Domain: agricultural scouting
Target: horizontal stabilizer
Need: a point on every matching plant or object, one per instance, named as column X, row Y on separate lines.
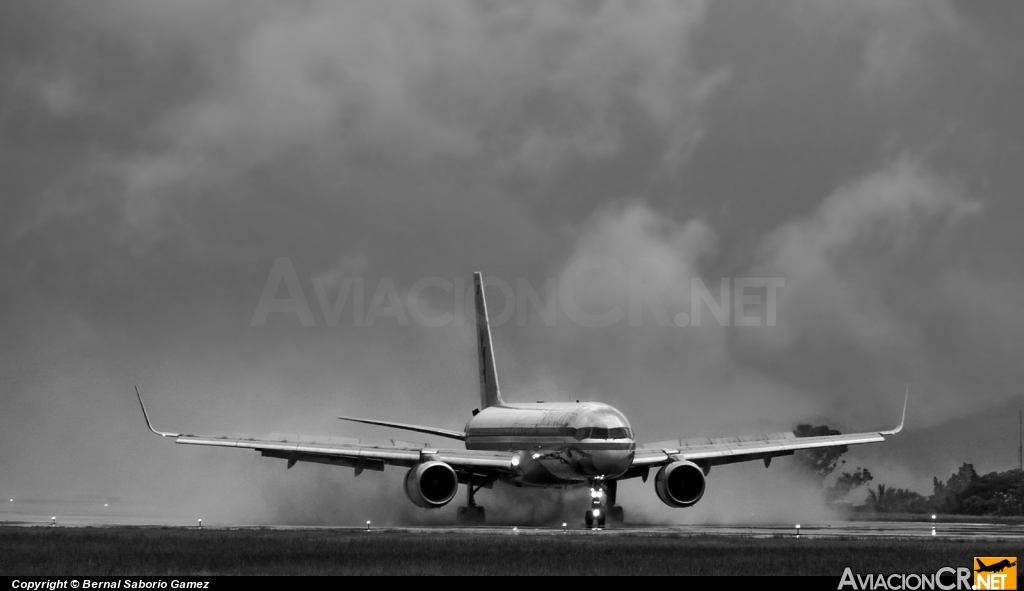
column 417, row 428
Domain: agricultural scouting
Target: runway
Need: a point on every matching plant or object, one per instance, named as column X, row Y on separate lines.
column 832, row 530
column 829, row 530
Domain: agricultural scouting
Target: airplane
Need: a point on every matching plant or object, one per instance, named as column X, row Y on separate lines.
column 994, row 568
column 542, row 444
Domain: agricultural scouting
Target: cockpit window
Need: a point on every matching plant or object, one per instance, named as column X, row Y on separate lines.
column 602, row 433
column 618, row 433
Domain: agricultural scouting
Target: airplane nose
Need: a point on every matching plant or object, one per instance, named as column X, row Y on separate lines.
column 612, row 462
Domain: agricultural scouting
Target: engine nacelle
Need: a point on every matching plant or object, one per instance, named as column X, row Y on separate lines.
column 431, row 484
column 680, row 484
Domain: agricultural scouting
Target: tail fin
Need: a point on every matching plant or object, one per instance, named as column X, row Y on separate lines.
column 490, row 395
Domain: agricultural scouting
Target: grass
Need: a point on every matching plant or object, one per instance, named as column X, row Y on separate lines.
column 173, row 551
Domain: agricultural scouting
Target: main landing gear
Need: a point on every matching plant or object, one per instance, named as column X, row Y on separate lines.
column 602, row 504
column 471, row 514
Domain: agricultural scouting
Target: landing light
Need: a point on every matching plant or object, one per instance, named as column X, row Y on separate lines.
column 535, row 456
column 597, row 512
column 515, row 460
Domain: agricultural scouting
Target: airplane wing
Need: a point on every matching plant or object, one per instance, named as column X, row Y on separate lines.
column 730, row 450
column 349, row 452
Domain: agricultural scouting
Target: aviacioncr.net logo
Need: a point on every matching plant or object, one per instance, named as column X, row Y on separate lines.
column 989, row 572
column 946, row 578
column 995, row 572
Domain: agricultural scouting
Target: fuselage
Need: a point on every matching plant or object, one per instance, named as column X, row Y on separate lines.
column 557, row 443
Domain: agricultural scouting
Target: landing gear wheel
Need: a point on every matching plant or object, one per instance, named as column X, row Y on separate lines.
column 616, row 515
column 594, row 521
column 474, row 515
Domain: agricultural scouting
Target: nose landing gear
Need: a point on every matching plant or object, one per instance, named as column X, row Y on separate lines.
column 602, row 504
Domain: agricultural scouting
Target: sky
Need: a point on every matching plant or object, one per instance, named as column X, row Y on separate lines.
column 161, row 159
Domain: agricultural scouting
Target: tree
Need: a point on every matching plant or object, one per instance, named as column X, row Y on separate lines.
column 847, row 483
column 897, row 500
column 948, row 497
column 820, row 461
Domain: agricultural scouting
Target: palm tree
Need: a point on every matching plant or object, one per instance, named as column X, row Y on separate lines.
column 878, row 497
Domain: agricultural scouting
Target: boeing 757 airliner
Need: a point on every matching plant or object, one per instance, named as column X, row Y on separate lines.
column 537, row 444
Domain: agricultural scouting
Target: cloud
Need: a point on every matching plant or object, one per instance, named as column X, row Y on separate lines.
column 894, row 37
column 835, row 260
column 847, row 290
column 516, row 88
column 670, row 379
column 633, row 263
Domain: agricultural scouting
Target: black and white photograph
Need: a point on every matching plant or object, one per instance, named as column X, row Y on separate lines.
column 313, row 288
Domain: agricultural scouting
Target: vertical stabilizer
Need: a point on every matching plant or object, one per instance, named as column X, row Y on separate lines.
column 490, row 395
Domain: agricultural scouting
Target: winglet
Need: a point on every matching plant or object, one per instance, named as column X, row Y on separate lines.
column 903, row 418
column 146, row 416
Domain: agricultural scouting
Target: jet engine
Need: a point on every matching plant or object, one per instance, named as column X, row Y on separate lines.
column 431, row 484
column 680, row 484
